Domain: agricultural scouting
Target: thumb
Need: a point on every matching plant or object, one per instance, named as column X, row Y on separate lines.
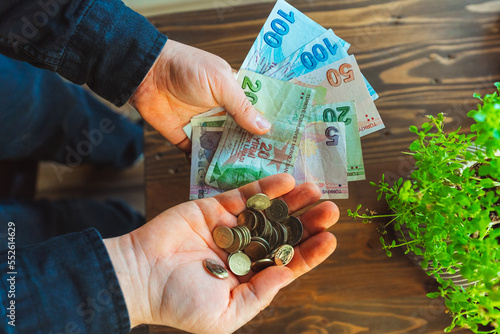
column 233, row 99
column 250, row 298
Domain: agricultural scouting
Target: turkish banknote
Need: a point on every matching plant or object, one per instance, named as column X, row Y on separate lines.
column 342, row 81
column 285, row 31
column 242, row 157
column 344, row 112
column 204, row 143
column 323, row 160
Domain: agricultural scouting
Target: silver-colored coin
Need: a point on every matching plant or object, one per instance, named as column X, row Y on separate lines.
column 248, row 218
column 258, row 202
column 215, row 269
column 283, row 255
column 277, row 211
column 223, row 236
column 295, row 230
column 257, row 249
column 260, row 229
column 239, row 263
column 273, row 239
column 261, row 264
column 282, row 234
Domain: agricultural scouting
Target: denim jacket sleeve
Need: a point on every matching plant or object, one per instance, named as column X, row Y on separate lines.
column 64, row 285
column 102, row 43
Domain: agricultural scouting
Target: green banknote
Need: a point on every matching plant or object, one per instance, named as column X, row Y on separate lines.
column 242, row 157
column 344, row 112
column 204, row 143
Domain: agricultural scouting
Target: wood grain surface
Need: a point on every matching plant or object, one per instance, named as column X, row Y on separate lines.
column 422, row 57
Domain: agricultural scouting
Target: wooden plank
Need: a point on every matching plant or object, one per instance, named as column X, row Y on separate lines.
column 423, row 57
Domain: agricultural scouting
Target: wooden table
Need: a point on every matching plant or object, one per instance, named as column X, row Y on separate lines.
column 422, row 57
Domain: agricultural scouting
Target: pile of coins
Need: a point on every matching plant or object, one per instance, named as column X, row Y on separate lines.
column 264, row 236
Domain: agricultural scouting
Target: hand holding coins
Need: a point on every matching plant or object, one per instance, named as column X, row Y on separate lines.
column 264, row 236
column 172, row 272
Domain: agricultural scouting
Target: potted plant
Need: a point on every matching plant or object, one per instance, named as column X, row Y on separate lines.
column 447, row 214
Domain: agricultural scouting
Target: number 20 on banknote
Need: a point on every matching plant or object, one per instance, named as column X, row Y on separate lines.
column 343, row 74
column 254, row 88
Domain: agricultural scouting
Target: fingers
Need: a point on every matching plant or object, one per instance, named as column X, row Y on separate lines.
column 312, row 252
column 250, row 298
column 273, row 186
column 302, row 196
column 234, row 100
column 319, row 218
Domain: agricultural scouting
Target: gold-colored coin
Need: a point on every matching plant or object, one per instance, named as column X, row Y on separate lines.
column 248, row 218
column 215, row 269
column 277, row 211
column 295, row 230
column 223, row 236
column 258, row 202
column 261, row 264
column 283, row 255
column 239, row 263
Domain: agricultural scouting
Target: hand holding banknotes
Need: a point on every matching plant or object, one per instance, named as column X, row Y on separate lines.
column 186, row 81
column 159, row 266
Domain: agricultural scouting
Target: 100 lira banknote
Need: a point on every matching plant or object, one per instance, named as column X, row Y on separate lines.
column 242, row 157
column 285, row 31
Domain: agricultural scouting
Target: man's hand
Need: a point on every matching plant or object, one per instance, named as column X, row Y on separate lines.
column 186, row 81
column 160, row 265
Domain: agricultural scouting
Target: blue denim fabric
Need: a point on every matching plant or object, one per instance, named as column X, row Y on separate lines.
column 64, row 285
column 45, row 117
column 101, row 43
column 67, row 284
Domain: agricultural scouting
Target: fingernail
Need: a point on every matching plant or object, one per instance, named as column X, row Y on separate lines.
column 262, row 123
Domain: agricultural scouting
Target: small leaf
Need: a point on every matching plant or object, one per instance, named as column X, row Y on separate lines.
column 433, row 294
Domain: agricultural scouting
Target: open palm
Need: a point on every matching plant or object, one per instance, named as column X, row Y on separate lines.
column 171, row 248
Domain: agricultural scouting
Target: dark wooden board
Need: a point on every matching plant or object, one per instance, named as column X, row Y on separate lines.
column 422, row 57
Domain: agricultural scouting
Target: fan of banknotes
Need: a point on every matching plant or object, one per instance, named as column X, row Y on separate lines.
column 301, row 78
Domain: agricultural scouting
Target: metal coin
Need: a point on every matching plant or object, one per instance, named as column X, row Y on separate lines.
column 268, row 230
column 223, row 236
column 295, row 230
column 282, row 234
column 277, row 211
column 261, row 224
column 237, row 243
column 258, row 202
column 261, row 264
column 273, row 240
column 248, row 218
column 215, row 269
column 239, row 263
column 283, row 255
column 257, row 249
column 245, row 236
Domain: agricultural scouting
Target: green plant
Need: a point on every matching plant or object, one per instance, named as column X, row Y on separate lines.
column 450, row 206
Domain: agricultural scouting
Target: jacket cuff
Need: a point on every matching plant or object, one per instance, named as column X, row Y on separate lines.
column 111, row 50
column 66, row 284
